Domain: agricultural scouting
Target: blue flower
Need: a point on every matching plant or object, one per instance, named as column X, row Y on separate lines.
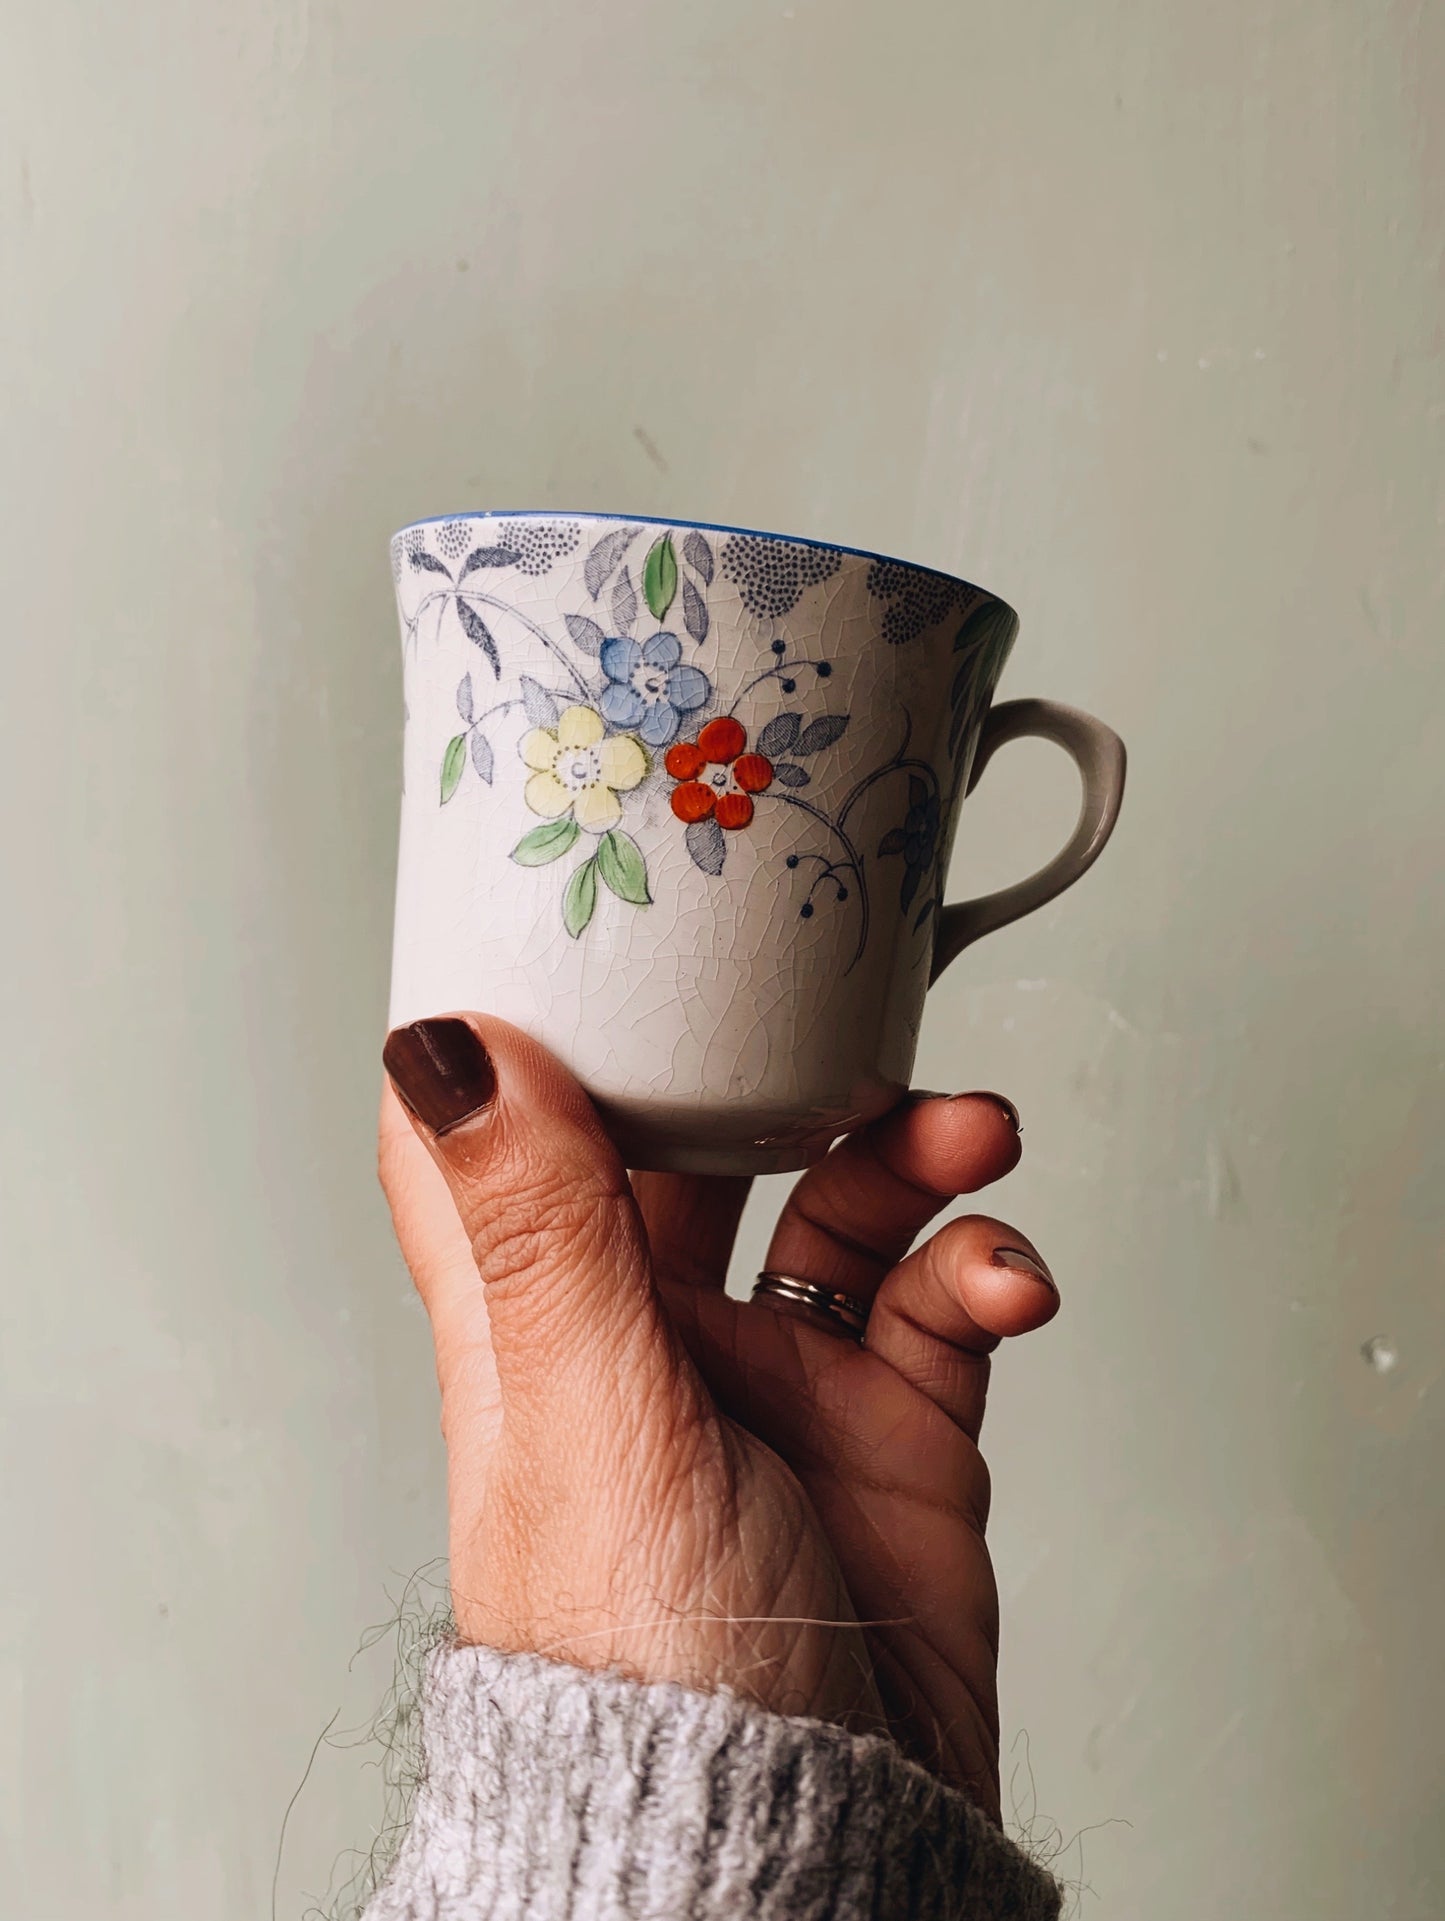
column 917, row 839
column 649, row 689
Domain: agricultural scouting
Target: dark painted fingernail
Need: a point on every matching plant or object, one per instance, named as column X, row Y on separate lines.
column 1006, row 1107
column 1015, row 1257
column 441, row 1070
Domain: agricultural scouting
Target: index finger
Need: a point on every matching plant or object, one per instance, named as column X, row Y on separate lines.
column 692, row 1222
column 856, row 1212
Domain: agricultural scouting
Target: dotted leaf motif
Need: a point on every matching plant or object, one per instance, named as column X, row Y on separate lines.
column 659, row 577
column 624, row 603
column 488, row 557
column 694, row 612
column 538, row 704
column 585, row 633
column 602, row 561
column 482, row 758
column 707, row 845
column 779, row 735
column 788, row 774
column 464, row 698
column 822, row 733
column 477, row 631
column 698, row 555
column 428, row 563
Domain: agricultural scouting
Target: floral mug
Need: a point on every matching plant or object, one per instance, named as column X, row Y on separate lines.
column 678, row 800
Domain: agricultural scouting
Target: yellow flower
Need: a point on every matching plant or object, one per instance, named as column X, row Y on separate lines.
column 576, row 771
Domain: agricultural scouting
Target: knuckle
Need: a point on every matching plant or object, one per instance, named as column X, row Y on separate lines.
column 541, row 1217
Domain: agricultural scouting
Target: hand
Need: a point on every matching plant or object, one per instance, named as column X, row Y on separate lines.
column 646, row 1474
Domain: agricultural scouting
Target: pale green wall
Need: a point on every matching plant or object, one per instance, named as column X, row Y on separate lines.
column 1133, row 312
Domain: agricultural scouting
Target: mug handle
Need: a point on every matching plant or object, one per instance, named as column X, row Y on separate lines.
column 1098, row 753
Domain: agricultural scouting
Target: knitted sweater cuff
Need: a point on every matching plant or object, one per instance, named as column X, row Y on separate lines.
column 551, row 1793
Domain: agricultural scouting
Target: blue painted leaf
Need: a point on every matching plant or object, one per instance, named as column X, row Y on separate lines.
column 891, row 843
column 464, row 698
column 923, row 914
column 482, row 755
column 694, row 612
column 911, row 877
column 476, row 629
column 597, row 570
column 917, row 790
column 546, row 843
column 707, row 846
column 453, row 761
column 540, row 707
column 698, row 555
column 579, row 903
column 624, row 603
column 487, row 557
column 620, row 863
column 788, row 774
column 421, row 558
column 779, row 734
column 958, row 730
column 659, row 576
column 990, row 624
column 585, row 633
column 819, row 734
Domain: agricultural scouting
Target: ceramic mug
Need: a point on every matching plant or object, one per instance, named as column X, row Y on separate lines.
column 678, row 801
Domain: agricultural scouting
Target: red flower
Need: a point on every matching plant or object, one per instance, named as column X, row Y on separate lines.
column 715, row 776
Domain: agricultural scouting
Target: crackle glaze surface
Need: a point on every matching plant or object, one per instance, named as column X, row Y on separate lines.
column 678, row 801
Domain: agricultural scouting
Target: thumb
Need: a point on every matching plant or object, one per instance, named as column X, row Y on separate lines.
column 555, row 1235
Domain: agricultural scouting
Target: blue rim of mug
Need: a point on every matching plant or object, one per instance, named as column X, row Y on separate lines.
column 705, row 527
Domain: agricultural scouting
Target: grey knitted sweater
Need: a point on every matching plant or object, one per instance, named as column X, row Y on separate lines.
column 554, row 1794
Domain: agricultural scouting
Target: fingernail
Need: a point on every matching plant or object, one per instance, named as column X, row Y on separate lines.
column 1025, row 1263
column 1006, row 1107
column 441, row 1070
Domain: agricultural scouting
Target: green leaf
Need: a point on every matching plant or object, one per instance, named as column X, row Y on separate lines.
column 546, row 843
column 620, row 863
column 659, row 576
column 453, row 761
column 580, row 900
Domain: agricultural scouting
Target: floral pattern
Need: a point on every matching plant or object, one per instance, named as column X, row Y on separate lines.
column 579, row 770
column 771, row 574
column 650, row 686
column 915, row 599
column 715, row 777
column 917, row 839
column 622, row 687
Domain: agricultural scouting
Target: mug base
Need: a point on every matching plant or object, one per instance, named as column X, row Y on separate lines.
column 653, row 1157
column 681, row 1137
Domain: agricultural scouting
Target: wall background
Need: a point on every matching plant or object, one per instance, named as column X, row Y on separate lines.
column 1133, row 312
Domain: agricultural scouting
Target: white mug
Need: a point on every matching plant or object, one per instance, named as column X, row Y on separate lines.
column 678, row 801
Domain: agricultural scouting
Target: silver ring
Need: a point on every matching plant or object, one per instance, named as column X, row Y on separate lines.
column 847, row 1313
